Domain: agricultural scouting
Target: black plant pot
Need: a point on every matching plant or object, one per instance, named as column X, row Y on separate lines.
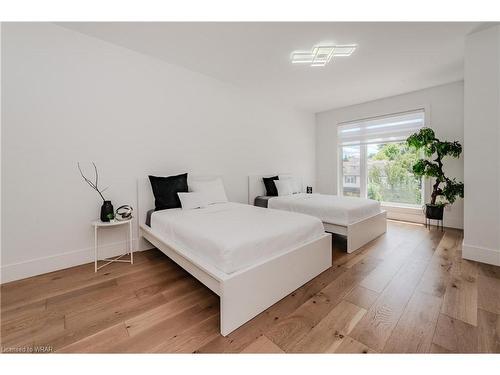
column 107, row 211
column 434, row 212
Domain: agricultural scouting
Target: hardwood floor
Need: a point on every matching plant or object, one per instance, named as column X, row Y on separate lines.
column 409, row 291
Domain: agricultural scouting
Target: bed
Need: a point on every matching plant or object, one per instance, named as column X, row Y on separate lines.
column 251, row 257
column 360, row 220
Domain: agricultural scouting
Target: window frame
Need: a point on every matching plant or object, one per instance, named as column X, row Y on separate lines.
column 364, row 164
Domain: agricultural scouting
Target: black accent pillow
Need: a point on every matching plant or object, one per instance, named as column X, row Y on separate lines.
column 165, row 190
column 271, row 190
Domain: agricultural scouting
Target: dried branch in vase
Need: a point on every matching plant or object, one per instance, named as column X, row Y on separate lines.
column 93, row 185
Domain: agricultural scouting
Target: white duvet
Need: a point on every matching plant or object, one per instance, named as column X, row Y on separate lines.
column 332, row 209
column 232, row 236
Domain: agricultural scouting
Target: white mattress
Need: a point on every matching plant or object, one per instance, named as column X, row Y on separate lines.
column 331, row 209
column 232, row 236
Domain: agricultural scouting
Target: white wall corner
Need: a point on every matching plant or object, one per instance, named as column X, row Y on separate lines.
column 482, row 140
column 481, row 254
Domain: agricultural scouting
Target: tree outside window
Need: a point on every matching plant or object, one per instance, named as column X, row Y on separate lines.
column 390, row 174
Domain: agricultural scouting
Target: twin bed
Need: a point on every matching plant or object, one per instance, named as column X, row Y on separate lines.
column 359, row 220
column 253, row 256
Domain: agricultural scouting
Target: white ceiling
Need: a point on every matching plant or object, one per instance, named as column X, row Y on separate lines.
column 392, row 58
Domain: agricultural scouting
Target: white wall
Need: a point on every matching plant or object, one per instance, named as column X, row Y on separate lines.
column 482, row 137
column 67, row 97
column 444, row 113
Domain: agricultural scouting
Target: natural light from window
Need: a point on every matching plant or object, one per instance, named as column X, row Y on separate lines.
column 375, row 161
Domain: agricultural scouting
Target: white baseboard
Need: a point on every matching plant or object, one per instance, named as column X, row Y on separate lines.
column 415, row 215
column 481, row 254
column 453, row 222
column 38, row 266
column 403, row 216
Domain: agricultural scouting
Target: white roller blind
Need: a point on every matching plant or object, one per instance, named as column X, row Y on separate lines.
column 391, row 128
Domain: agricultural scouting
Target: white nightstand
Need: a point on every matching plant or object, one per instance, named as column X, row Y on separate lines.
column 101, row 224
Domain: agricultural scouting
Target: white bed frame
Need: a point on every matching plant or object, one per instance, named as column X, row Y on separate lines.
column 357, row 234
column 245, row 293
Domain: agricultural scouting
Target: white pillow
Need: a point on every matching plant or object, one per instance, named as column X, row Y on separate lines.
column 211, row 190
column 294, row 182
column 190, row 201
column 284, row 187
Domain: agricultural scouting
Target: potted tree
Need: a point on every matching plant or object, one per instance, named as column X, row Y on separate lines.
column 444, row 190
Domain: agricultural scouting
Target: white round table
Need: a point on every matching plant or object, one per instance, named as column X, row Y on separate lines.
column 111, row 224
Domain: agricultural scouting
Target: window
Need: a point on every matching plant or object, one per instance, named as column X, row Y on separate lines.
column 350, row 180
column 375, row 161
column 351, row 171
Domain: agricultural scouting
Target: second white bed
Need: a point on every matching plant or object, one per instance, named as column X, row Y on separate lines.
column 328, row 208
column 360, row 220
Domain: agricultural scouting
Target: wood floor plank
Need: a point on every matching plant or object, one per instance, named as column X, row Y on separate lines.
column 430, row 242
column 461, row 296
column 150, row 340
column 262, row 345
column 73, row 295
column 294, row 327
column 43, row 287
column 159, row 286
column 377, row 248
column 436, row 349
column 488, row 293
column 79, row 300
column 351, row 346
column 81, row 325
column 488, row 270
column 28, row 330
column 149, row 318
column 378, row 279
column 118, row 309
column 108, row 293
column 178, row 288
column 23, row 311
column 98, row 342
column 192, row 338
column 488, row 332
column 414, row 331
column 370, row 249
column 376, row 326
column 331, row 330
column 156, row 273
column 420, row 245
column 362, row 297
column 290, row 330
column 455, row 335
column 438, row 273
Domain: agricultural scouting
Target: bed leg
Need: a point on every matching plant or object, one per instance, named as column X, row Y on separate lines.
column 226, row 321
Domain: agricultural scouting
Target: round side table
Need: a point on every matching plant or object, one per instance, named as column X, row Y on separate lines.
column 111, row 224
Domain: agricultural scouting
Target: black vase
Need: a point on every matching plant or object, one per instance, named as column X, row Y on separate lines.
column 107, row 211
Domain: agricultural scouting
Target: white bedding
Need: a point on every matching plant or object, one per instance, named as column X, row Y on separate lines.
column 332, row 209
column 232, row 236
